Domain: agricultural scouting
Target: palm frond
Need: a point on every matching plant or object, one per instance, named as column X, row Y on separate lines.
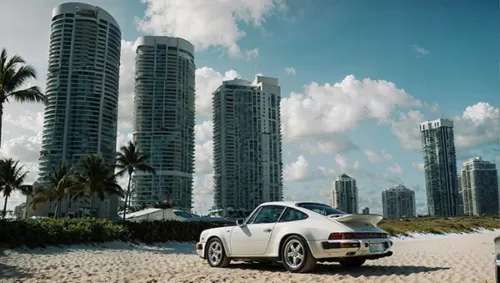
column 31, row 94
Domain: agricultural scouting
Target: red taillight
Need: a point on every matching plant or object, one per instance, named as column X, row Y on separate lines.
column 343, row 236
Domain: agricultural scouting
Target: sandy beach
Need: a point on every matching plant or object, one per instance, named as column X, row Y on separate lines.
column 456, row 258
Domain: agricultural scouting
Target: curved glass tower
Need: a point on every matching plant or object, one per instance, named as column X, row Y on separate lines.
column 164, row 119
column 82, row 86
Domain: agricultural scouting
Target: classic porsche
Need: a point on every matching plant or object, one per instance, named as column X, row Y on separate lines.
column 298, row 234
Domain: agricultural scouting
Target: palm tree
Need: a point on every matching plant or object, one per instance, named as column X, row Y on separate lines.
column 129, row 160
column 12, row 80
column 94, row 177
column 60, row 180
column 12, row 178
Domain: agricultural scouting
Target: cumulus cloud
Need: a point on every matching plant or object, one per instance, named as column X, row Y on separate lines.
column 189, row 19
column 372, row 156
column 127, row 85
column 290, row 70
column 418, row 166
column 204, row 157
column 311, row 114
column 204, row 131
column 395, row 169
column 299, row 170
column 207, row 81
column 479, row 125
column 336, row 143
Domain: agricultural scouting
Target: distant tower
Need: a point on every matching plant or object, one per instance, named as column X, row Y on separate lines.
column 479, row 184
column 345, row 194
column 247, row 144
column 82, row 88
column 164, row 120
column 398, row 202
column 441, row 183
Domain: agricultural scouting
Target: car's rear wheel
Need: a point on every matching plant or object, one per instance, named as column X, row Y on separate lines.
column 296, row 255
column 352, row 262
column 216, row 256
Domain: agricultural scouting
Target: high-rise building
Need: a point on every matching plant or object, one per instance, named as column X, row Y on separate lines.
column 247, row 144
column 345, row 194
column 479, row 183
column 440, row 166
column 164, row 120
column 366, row 210
column 398, row 202
column 82, row 89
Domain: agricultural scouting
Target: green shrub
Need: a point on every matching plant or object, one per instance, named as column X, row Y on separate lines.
column 52, row 232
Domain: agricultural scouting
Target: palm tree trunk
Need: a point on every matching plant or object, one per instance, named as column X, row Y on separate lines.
column 5, row 207
column 58, row 206
column 91, row 205
column 126, row 197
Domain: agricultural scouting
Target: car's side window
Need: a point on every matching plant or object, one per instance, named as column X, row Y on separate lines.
column 291, row 214
column 268, row 214
column 252, row 217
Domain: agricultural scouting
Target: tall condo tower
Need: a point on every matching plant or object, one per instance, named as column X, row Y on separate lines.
column 398, row 202
column 164, row 120
column 479, row 184
column 441, row 183
column 82, row 88
column 345, row 194
column 247, row 145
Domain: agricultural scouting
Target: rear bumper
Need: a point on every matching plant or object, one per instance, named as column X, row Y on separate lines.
column 200, row 250
column 351, row 248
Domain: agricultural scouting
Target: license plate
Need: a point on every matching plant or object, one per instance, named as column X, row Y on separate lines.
column 375, row 248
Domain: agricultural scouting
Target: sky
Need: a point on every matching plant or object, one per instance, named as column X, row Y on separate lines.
column 357, row 78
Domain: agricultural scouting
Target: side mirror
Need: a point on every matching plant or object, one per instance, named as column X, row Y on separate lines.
column 240, row 222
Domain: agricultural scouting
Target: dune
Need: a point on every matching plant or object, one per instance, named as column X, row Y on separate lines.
column 454, row 258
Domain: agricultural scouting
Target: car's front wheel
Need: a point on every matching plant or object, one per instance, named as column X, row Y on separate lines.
column 296, row 255
column 352, row 262
column 216, row 256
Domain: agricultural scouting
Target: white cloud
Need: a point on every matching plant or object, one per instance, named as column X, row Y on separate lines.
column 420, row 50
column 386, row 155
column 204, row 131
column 327, row 109
column 297, row 170
column 418, row 166
column 341, row 161
column 479, row 125
column 372, row 156
column 207, row 81
column 208, row 23
column 406, row 128
column 203, row 184
column 290, row 70
column 336, row 143
column 396, row 169
column 204, row 157
column 127, row 85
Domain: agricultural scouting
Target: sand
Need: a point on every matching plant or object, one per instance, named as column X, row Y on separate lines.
column 456, row 258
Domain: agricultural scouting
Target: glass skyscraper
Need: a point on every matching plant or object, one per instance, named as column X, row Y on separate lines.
column 164, row 120
column 82, row 89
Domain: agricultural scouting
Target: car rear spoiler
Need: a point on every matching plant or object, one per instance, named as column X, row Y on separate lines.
column 372, row 219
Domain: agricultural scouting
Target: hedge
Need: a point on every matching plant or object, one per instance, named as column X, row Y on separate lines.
column 65, row 231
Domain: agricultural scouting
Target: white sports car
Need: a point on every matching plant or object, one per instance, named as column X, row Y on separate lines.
column 299, row 234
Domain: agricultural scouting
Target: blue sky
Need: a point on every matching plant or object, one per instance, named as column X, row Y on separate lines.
column 435, row 58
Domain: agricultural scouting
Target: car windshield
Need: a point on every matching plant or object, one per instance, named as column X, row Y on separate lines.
column 183, row 214
column 320, row 208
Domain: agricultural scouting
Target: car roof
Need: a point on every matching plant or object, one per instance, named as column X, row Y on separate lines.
column 288, row 203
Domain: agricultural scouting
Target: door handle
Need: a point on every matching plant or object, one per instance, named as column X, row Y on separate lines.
column 268, row 230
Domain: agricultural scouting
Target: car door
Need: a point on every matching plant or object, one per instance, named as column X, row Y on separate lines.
column 252, row 238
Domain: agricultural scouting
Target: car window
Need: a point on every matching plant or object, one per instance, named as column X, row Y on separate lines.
column 252, row 217
column 183, row 214
column 291, row 214
column 320, row 208
column 268, row 214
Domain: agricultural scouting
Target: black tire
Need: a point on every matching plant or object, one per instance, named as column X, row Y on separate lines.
column 215, row 253
column 300, row 247
column 352, row 262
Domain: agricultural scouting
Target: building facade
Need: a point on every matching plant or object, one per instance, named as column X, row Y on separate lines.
column 247, row 145
column 366, row 210
column 164, row 120
column 82, row 89
column 398, row 202
column 479, row 184
column 440, row 167
column 345, row 194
